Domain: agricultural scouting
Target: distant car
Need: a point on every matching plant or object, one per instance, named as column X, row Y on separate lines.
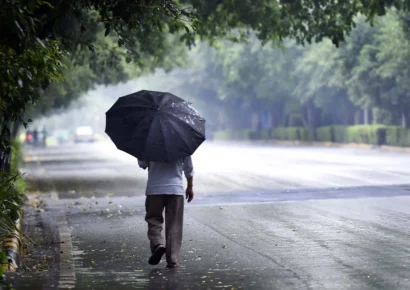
column 84, row 134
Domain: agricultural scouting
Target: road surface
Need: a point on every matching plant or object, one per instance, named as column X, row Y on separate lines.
column 263, row 218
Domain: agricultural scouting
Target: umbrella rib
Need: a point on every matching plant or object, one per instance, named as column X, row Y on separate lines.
column 176, row 118
column 149, row 134
column 163, row 135
column 179, row 134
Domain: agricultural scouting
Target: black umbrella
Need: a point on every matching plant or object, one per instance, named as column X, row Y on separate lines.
column 155, row 126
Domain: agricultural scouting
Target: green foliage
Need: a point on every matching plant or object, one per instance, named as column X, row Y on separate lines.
column 363, row 134
column 339, row 133
column 325, row 134
column 21, row 78
column 12, row 187
column 233, row 135
column 396, row 136
column 291, row 133
column 306, row 21
column 314, row 86
column 94, row 39
column 11, row 199
column 97, row 41
column 371, row 134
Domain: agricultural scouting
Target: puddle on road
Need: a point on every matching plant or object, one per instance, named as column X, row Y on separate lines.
column 75, row 188
column 91, row 276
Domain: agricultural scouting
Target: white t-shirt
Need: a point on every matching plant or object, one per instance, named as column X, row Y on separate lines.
column 166, row 178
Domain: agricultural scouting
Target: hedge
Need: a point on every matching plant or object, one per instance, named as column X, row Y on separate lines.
column 397, row 136
column 325, row 134
column 233, row 135
column 291, row 133
column 363, row 134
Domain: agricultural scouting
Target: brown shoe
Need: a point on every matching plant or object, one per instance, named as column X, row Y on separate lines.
column 157, row 255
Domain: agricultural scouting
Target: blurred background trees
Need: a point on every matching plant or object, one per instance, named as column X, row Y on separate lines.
column 52, row 52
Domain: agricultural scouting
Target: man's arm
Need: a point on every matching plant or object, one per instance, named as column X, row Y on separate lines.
column 189, row 174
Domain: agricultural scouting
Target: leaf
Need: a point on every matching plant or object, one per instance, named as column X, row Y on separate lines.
column 159, row 26
column 128, row 59
column 107, row 31
column 91, row 47
column 187, row 29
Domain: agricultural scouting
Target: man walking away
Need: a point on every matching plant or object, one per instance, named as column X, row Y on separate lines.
column 165, row 191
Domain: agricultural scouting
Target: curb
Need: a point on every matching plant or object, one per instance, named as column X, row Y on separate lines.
column 321, row 144
column 12, row 246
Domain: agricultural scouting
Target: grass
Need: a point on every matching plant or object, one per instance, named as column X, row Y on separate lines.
column 12, row 188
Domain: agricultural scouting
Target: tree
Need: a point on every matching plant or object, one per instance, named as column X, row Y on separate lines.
column 36, row 35
column 141, row 28
column 307, row 21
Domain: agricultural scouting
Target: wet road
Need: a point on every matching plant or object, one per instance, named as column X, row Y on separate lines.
column 263, row 218
column 100, row 169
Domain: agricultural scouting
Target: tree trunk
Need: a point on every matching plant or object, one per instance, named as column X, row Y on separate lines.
column 271, row 119
column 5, row 156
column 5, row 160
column 365, row 116
column 358, row 117
column 309, row 119
column 403, row 120
column 14, row 131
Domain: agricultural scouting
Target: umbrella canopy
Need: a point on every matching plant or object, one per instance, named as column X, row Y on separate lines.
column 155, row 126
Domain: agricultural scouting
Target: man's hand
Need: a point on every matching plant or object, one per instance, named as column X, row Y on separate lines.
column 189, row 193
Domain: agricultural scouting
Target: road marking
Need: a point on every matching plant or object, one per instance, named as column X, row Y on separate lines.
column 67, row 279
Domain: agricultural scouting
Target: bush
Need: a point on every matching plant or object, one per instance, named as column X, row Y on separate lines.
column 397, row 136
column 12, row 187
column 233, row 134
column 364, row 134
column 325, row 134
column 361, row 134
column 304, row 135
column 291, row 133
column 280, row 133
column 265, row 134
column 339, row 134
column 16, row 157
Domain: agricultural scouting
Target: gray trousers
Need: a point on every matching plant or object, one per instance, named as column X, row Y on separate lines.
column 174, row 217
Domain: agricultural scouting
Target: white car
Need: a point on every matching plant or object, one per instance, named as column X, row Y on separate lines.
column 84, row 134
